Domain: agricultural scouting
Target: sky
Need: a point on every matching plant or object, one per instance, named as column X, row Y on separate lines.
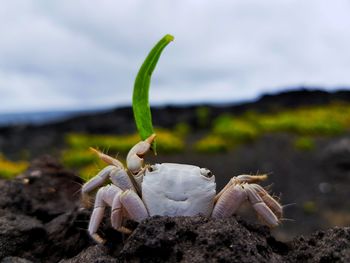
column 63, row 55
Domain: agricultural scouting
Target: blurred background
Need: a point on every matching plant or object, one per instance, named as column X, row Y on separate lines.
column 246, row 87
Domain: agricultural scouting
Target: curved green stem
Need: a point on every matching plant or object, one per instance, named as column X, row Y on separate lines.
column 140, row 101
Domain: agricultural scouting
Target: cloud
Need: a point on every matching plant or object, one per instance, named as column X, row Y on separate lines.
column 78, row 54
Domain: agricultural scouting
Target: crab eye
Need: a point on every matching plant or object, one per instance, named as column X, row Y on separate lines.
column 152, row 168
column 206, row 172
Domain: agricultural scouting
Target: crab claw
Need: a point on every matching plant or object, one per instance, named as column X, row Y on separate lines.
column 134, row 159
column 151, row 138
column 106, row 158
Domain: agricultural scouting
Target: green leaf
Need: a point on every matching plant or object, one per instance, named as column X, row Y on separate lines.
column 140, row 101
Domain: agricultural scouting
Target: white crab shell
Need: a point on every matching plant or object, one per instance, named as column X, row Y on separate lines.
column 171, row 189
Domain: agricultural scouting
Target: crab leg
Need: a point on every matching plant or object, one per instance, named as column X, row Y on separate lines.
column 229, row 201
column 104, row 197
column 120, row 178
column 264, row 212
column 240, row 179
column 244, row 178
column 117, row 215
column 94, row 183
column 269, row 200
column 133, row 205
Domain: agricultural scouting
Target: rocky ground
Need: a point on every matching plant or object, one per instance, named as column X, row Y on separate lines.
column 312, row 184
column 41, row 221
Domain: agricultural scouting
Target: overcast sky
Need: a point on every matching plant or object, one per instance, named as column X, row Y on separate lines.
column 85, row 54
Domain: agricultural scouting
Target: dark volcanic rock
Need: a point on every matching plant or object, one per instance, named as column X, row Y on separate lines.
column 336, row 157
column 332, row 245
column 40, row 221
column 19, row 233
column 15, row 260
column 66, row 236
column 39, row 214
column 93, row 254
column 199, row 239
column 44, row 191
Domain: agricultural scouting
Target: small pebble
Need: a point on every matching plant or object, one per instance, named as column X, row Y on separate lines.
column 325, row 187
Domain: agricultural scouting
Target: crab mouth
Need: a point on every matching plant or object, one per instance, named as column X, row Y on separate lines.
column 176, row 198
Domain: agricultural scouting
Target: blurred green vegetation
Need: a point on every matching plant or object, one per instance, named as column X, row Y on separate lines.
column 309, row 207
column 168, row 142
column 203, row 116
column 304, row 143
column 235, row 129
column 182, row 129
column 333, row 119
column 10, row 169
column 211, row 144
column 227, row 131
column 306, row 122
column 79, row 157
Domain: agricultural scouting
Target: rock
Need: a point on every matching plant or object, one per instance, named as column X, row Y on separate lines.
column 40, row 221
column 40, row 217
column 20, row 234
column 332, row 245
column 336, row 157
column 200, row 239
column 93, row 254
column 44, row 191
column 15, row 260
column 66, row 235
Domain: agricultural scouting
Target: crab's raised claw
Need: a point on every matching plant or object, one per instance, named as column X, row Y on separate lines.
column 107, row 159
column 134, row 159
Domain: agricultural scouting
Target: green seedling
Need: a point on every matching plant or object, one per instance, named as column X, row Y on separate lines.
column 140, row 99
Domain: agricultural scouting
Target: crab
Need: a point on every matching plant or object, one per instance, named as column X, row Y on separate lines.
column 170, row 189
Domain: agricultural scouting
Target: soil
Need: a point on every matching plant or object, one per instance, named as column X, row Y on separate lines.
column 41, row 221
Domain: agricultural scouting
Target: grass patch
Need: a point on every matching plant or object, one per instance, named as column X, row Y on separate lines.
column 168, row 142
column 203, row 116
column 211, row 144
column 79, row 157
column 235, row 129
column 9, row 169
column 304, row 143
column 333, row 119
column 182, row 129
column 326, row 120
